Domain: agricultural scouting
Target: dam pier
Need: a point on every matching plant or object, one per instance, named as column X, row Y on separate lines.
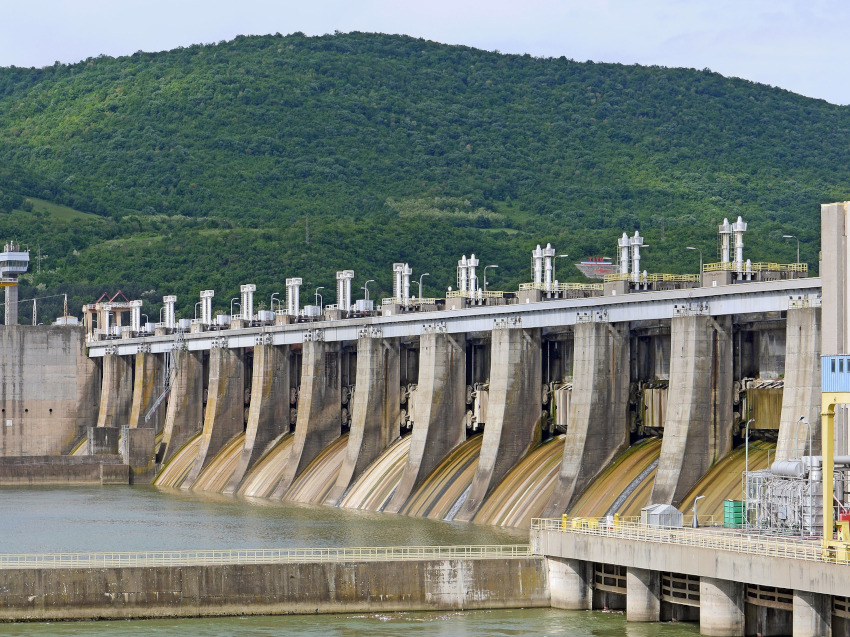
column 562, row 408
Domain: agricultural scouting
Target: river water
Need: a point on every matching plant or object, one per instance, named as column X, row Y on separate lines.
column 87, row 519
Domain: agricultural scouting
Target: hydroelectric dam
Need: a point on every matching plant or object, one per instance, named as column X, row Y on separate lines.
column 558, row 399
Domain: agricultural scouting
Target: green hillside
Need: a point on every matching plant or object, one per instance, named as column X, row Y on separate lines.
column 198, row 168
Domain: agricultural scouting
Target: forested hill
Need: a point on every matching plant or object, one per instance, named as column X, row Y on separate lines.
column 198, row 168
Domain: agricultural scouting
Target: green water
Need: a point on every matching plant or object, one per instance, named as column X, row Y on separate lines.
column 85, row 519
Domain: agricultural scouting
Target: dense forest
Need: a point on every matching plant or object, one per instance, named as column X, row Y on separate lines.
column 277, row 156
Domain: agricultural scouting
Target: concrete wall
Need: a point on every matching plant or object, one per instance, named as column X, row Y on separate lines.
column 197, row 591
column 49, row 389
column 224, row 412
column 801, row 395
column 268, row 414
column 440, row 405
column 116, row 391
column 375, row 412
column 62, row 470
column 148, row 383
column 184, row 416
column 513, row 413
column 597, row 424
column 698, row 422
column 319, row 410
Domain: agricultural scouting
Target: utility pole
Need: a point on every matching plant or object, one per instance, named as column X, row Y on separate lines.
column 38, row 258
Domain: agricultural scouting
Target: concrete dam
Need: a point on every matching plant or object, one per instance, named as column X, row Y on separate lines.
column 492, row 407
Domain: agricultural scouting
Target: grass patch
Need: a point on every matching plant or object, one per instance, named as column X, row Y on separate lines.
column 58, row 211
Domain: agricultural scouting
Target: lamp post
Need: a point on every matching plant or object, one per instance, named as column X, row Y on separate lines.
column 700, row 261
column 196, row 310
column 747, row 469
column 421, row 276
column 366, row 287
column 485, row 274
column 271, row 302
column 791, row 236
column 695, row 523
column 235, row 298
column 557, row 256
column 319, row 296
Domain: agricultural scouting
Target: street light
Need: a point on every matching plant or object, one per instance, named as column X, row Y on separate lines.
column 485, row 274
column 695, row 523
column 366, row 287
column 235, row 298
column 557, row 256
column 271, row 302
column 196, row 310
column 791, row 236
column 700, row 261
column 319, row 296
column 424, row 274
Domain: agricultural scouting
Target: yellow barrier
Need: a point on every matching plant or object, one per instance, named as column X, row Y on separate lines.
column 757, row 267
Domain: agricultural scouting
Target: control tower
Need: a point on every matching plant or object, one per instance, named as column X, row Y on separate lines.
column 13, row 262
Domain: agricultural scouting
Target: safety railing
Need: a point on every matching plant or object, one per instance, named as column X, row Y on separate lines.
column 756, row 267
column 675, row 278
column 734, row 541
column 617, row 276
column 560, row 287
column 394, row 300
column 261, row 556
column 478, row 294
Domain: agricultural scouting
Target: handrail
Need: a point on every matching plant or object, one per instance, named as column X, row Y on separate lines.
column 678, row 278
column 261, row 556
column 734, row 541
column 763, row 266
column 560, row 287
column 478, row 294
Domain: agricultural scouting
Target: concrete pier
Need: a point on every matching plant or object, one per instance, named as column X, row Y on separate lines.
column 224, row 414
column 698, row 423
column 643, row 595
column 319, row 409
column 116, row 395
column 570, row 584
column 721, row 607
column 597, row 425
column 812, row 615
column 801, row 395
column 440, row 405
column 375, row 412
column 137, row 451
column 513, row 412
column 184, row 416
column 103, row 441
column 148, row 383
column 268, row 413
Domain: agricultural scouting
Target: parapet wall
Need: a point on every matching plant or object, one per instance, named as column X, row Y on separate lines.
column 267, row 589
column 49, row 389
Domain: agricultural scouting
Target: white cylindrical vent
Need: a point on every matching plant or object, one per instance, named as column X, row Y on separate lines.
column 136, row 316
column 293, row 291
column 548, row 255
column 738, row 229
column 471, row 276
column 636, row 244
column 247, row 304
column 169, row 319
column 462, row 275
column 206, row 306
column 623, row 244
column 725, row 231
column 343, row 289
column 537, row 264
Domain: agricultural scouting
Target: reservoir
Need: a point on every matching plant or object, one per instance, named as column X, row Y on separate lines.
column 87, row 519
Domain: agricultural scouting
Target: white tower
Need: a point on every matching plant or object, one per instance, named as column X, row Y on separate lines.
column 548, row 254
column 471, row 264
column 206, row 306
column 623, row 244
column 537, row 264
column 247, row 303
column 136, row 316
column 462, row 274
column 293, row 291
column 401, row 282
column 738, row 229
column 168, row 302
column 13, row 261
column 343, row 289
column 725, row 231
column 636, row 243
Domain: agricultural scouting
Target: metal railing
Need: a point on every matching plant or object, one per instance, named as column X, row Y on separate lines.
column 653, row 278
column 560, row 287
column 756, row 267
column 478, row 294
column 734, row 541
column 261, row 556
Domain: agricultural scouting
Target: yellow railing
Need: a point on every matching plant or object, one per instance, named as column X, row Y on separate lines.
column 758, row 267
column 722, row 540
column 262, row 556
column 680, row 278
column 394, row 300
column 617, row 276
column 561, row 287
column 478, row 294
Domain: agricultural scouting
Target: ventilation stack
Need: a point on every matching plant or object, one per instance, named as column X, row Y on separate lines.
column 548, row 256
column 462, row 275
column 206, row 306
column 738, row 229
column 136, row 316
column 168, row 304
column 293, row 301
column 725, row 232
column 247, row 304
column 471, row 276
column 343, row 289
column 636, row 243
column 623, row 244
column 401, row 282
column 537, row 265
